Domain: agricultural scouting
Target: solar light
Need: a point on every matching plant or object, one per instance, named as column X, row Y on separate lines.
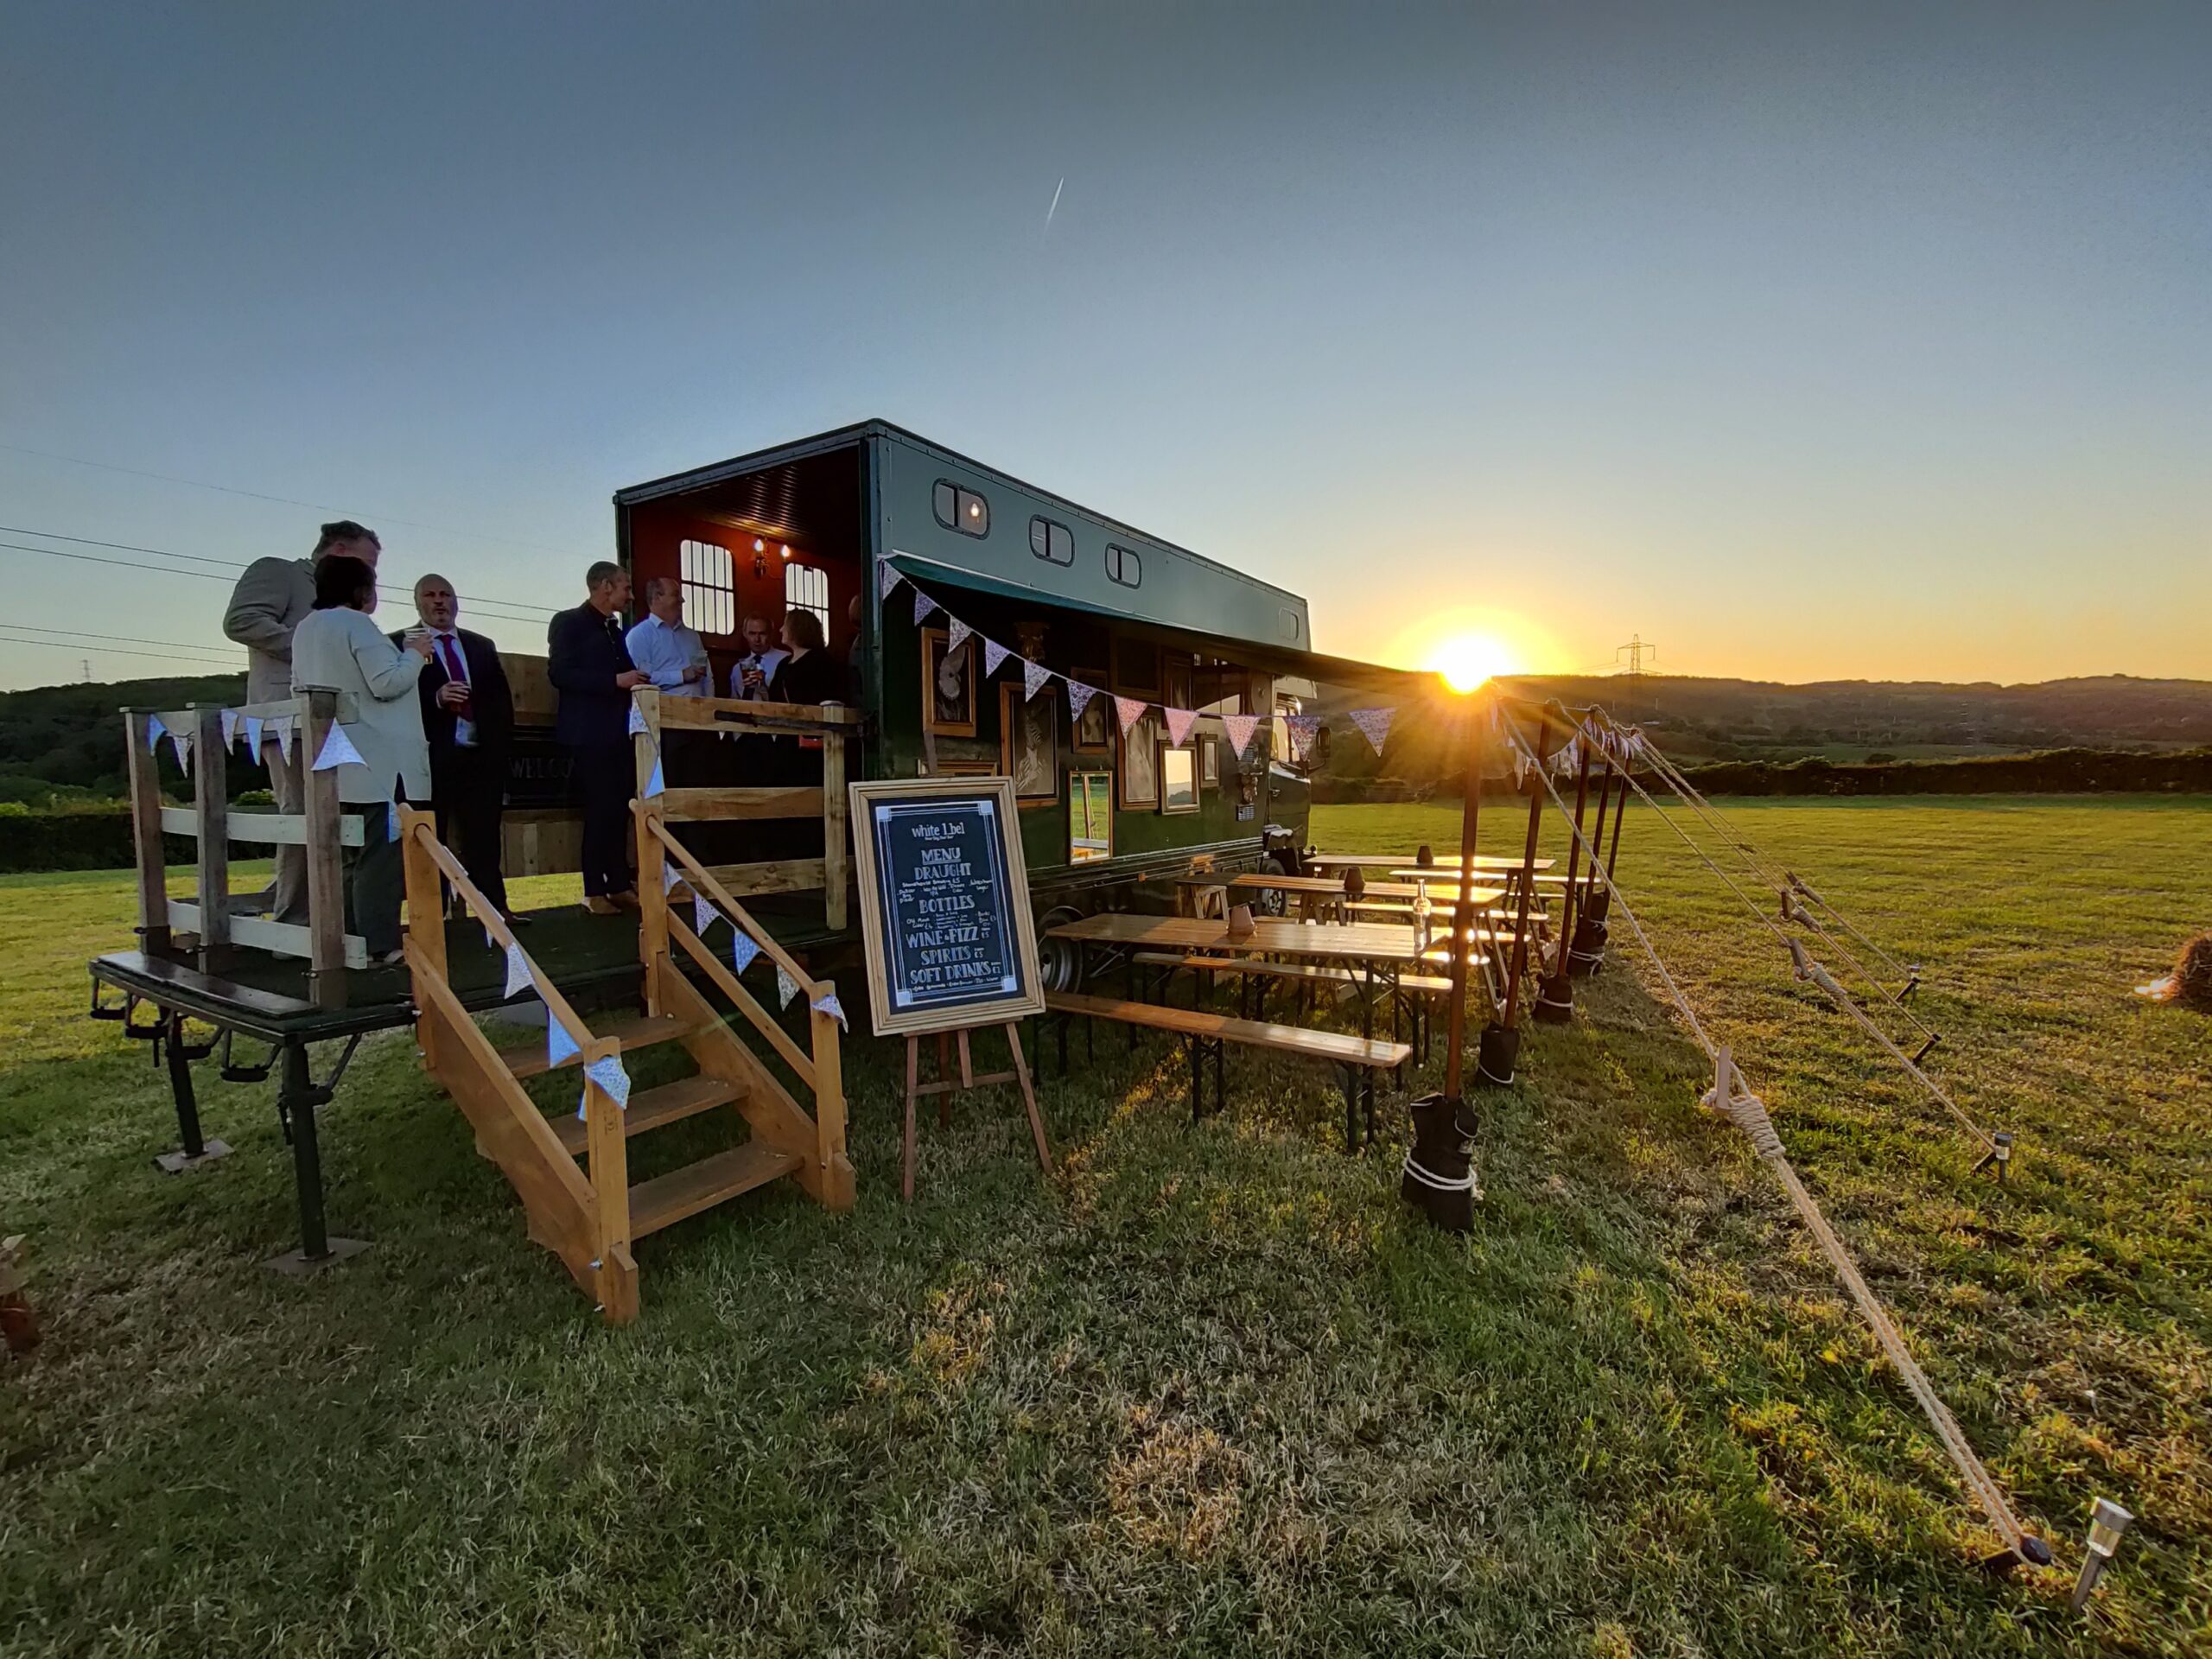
column 2106, row 1523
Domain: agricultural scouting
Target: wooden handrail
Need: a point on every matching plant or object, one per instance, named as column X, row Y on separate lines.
column 703, row 881
column 728, row 982
column 731, row 714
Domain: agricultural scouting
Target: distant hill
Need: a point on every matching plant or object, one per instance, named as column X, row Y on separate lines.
column 65, row 741
column 1837, row 720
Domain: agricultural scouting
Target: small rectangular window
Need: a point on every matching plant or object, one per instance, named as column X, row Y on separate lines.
column 709, row 588
column 806, row 587
column 961, row 509
column 1123, row 565
column 1052, row 542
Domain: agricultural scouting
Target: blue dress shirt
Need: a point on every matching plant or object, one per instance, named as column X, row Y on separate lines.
column 665, row 652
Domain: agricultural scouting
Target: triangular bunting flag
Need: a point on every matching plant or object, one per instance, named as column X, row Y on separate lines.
column 612, row 1080
column 154, row 730
column 1240, row 728
column 670, row 880
column 703, row 915
column 956, row 634
column 1374, row 725
column 1033, row 677
column 287, row 727
column 923, row 605
column 1302, row 729
column 1520, row 766
column 181, row 743
column 518, row 979
column 828, row 1003
column 787, row 987
column 1129, row 711
column 1179, row 722
column 994, row 654
column 637, row 727
column 392, row 820
column 656, row 785
column 742, row 948
column 229, row 719
column 338, row 750
column 253, row 739
column 559, row 1046
column 885, row 580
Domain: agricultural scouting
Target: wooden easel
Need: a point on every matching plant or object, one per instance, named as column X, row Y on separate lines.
column 946, row 1086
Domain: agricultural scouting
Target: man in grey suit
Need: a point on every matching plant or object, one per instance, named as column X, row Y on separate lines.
column 265, row 606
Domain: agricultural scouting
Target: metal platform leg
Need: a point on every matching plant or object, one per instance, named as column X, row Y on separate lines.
column 297, row 1096
column 195, row 1150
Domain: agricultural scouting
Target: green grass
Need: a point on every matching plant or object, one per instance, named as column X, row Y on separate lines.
column 1211, row 1389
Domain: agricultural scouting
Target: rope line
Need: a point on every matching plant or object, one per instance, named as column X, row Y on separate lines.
column 1748, row 1112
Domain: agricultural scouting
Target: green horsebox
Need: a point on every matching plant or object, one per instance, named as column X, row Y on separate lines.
column 855, row 523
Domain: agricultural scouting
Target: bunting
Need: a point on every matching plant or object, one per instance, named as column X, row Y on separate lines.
column 637, row 727
column 154, row 730
column 1035, row 676
column 181, row 743
column 613, row 1082
column 787, row 987
column 338, row 750
column 230, row 723
column 288, row 726
column 703, row 915
column 670, row 880
column 1129, row 711
column 743, row 947
column 1240, row 728
column 253, row 739
column 956, row 634
column 1303, row 729
column 656, row 785
column 559, row 1046
column 885, row 580
column 1179, row 722
column 518, row 979
column 392, row 820
column 994, row 654
column 828, row 1003
column 1374, row 725
column 922, row 605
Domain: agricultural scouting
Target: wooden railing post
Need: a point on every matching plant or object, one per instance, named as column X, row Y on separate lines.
column 426, row 922
column 146, row 835
column 211, row 811
column 325, row 874
column 606, row 1140
column 652, row 901
column 833, row 864
column 830, row 1112
column 645, row 745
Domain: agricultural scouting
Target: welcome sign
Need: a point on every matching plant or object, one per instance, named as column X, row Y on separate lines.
column 944, row 904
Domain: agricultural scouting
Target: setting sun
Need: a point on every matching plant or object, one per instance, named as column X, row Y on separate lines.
column 1466, row 660
column 1468, row 644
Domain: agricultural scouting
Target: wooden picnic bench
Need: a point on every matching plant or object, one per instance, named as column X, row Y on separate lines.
column 1206, row 1035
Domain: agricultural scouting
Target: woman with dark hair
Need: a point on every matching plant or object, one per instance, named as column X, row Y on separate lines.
column 808, row 674
column 337, row 648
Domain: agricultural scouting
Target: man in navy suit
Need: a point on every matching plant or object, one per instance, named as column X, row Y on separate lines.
column 468, row 716
column 590, row 666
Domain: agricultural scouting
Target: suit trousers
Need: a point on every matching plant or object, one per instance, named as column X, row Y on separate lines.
column 468, row 799
column 377, row 880
column 603, row 778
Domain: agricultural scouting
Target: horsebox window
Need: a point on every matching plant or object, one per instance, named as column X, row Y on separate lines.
column 1123, row 565
column 1052, row 542
column 961, row 509
column 709, row 588
column 806, row 587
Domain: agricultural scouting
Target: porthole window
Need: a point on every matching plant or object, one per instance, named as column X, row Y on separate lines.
column 1123, row 565
column 1051, row 542
column 961, row 509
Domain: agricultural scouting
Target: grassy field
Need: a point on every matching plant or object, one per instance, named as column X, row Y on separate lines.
column 1211, row 1389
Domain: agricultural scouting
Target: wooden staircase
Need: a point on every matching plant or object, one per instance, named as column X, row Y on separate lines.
column 571, row 1173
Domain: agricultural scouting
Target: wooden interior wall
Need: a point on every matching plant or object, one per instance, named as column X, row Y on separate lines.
column 656, row 536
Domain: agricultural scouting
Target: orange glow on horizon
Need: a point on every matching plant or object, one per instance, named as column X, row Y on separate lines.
column 1470, row 647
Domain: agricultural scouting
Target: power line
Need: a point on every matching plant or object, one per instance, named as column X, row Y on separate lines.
column 200, row 663
column 283, row 500
column 224, row 653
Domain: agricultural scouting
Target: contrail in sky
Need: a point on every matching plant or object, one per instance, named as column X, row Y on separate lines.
column 1055, row 207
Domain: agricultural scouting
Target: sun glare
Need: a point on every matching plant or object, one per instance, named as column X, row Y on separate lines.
column 1466, row 660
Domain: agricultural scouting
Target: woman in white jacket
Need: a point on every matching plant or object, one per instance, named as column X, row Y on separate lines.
column 337, row 648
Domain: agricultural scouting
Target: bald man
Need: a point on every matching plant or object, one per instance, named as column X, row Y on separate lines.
column 468, row 716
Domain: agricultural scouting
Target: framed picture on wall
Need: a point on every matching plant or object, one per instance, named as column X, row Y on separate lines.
column 1210, row 760
column 1139, row 772
column 1178, row 778
column 1029, row 744
column 1094, row 733
column 948, row 685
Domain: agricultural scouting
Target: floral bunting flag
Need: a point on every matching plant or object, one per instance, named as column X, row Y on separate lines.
column 338, row 751
column 287, row 727
column 613, row 1082
column 885, row 580
column 154, row 731
column 1129, row 711
column 828, row 1003
column 1240, row 728
column 559, row 1046
column 181, row 743
column 922, row 605
column 703, row 915
column 517, row 971
column 1179, row 722
column 392, row 820
column 742, row 948
column 1374, row 725
column 787, row 987
column 230, row 722
column 253, row 739
column 956, row 634
column 1303, row 729
column 637, row 727
column 994, row 654
column 656, row 785
column 670, row 880
column 1033, row 677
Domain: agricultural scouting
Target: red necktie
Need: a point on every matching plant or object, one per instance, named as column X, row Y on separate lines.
column 451, row 653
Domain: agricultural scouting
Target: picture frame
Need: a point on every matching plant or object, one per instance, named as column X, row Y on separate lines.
column 965, row 767
column 1210, row 760
column 948, row 686
column 1090, row 816
column 1029, row 744
column 1139, row 772
column 1178, row 778
column 1093, row 732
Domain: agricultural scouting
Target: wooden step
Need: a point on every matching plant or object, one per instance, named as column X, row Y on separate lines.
column 667, row 1199
column 632, row 1031
column 651, row 1108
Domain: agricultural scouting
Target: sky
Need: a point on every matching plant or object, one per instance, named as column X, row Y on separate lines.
column 1802, row 342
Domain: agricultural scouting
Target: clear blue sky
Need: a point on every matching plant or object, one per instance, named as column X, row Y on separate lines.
column 1860, row 341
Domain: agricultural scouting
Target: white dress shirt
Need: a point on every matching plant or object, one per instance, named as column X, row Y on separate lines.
column 665, row 652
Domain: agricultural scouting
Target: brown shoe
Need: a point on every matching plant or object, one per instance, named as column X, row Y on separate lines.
column 625, row 899
column 599, row 905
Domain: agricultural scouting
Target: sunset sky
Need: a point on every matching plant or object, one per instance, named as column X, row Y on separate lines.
column 1862, row 342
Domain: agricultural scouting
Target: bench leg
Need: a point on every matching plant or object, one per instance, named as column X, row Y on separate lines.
column 1351, row 1109
column 1191, row 1049
column 1220, row 1097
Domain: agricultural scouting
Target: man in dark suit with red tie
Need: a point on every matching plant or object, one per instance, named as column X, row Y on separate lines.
column 590, row 666
column 468, row 716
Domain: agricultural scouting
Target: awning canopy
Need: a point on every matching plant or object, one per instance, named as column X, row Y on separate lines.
column 1404, row 685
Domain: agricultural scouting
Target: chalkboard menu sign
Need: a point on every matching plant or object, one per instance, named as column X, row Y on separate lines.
column 945, row 904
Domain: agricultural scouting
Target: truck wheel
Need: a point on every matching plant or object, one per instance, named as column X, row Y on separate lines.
column 1272, row 901
column 1058, row 961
